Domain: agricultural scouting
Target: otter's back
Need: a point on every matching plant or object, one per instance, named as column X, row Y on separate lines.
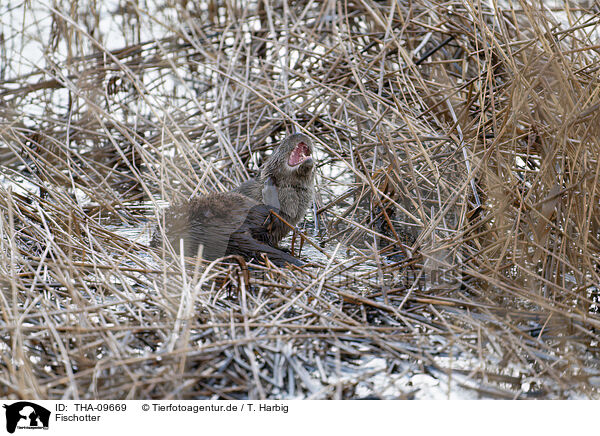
column 208, row 221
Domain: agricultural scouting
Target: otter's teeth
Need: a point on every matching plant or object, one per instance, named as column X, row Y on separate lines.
column 299, row 154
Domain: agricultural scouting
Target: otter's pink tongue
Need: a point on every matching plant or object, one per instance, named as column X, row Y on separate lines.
column 299, row 154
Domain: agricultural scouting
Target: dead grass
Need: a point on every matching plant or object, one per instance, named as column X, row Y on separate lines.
column 457, row 204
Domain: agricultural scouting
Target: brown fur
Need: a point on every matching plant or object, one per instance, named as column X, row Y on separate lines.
column 295, row 185
column 222, row 223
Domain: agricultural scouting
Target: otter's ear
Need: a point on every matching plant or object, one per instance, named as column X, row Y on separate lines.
column 270, row 194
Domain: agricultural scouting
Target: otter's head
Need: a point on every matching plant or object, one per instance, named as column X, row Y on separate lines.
column 291, row 160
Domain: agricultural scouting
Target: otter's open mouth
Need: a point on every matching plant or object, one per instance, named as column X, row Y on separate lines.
column 299, row 154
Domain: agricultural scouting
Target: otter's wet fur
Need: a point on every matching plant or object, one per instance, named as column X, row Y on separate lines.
column 223, row 223
column 294, row 184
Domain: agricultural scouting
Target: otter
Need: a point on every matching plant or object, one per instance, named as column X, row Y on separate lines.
column 224, row 223
column 241, row 221
column 285, row 183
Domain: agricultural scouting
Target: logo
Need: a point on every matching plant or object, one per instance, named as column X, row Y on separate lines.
column 26, row 415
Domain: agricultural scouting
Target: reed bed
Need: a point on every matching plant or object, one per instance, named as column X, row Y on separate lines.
column 455, row 234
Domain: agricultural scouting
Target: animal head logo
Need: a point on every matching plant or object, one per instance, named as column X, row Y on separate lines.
column 25, row 414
